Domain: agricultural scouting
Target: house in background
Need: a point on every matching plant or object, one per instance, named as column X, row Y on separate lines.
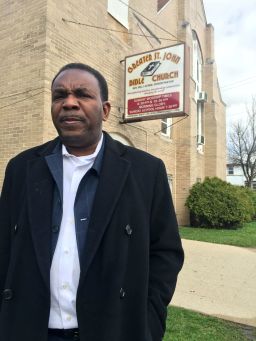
column 235, row 176
column 38, row 37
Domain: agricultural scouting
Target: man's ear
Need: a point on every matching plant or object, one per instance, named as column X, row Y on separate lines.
column 106, row 106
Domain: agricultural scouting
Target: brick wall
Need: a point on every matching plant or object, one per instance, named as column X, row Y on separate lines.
column 36, row 42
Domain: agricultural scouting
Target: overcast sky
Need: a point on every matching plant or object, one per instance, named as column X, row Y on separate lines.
column 235, row 51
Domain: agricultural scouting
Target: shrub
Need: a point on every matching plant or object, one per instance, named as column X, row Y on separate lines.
column 217, row 204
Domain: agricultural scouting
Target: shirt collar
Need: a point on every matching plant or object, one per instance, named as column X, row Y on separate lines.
column 91, row 156
column 97, row 155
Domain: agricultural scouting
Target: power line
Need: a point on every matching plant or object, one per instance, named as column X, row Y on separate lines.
column 146, row 130
column 230, row 114
column 236, row 86
column 140, row 22
column 145, row 36
column 171, row 125
column 154, row 23
column 22, row 100
column 112, row 30
column 242, row 80
column 183, row 118
column 21, row 93
column 238, row 83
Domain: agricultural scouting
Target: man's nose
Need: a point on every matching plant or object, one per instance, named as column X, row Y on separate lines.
column 70, row 102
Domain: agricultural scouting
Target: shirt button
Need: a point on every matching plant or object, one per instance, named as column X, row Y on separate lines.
column 69, row 318
column 83, row 219
column 122, row 293
column 128, row 230
column 7, row 294
column 66, row 252
column 65, row 286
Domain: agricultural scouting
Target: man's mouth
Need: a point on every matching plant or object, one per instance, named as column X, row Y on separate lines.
column 71, row 119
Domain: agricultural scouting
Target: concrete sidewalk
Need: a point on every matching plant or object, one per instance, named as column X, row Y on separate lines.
column 218, row 280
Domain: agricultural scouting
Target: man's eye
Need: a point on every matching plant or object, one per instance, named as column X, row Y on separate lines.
column 59, row 96
column 81, row 94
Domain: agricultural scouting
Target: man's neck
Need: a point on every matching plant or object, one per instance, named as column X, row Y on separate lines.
column 84, row 151
column 78, row 151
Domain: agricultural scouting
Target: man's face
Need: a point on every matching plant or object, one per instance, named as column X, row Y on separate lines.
column 78, row 110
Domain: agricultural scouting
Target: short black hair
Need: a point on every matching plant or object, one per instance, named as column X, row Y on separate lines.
column 80, row 66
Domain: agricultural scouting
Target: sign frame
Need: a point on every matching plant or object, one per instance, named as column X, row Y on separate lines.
column 144, row 67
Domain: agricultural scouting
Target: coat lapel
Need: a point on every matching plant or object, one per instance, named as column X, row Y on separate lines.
column 55, row 164
column 40, row 195
column 112, row 179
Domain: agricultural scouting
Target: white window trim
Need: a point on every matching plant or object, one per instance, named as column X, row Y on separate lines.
column 168, row 122
column 119, row 11
column 200, row 110
column 170, row 181
column 197, row 73
column 161, row 9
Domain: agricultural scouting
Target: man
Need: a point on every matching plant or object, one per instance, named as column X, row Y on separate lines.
column 89, row 245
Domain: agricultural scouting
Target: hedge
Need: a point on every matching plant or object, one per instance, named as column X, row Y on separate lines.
column 215, row 203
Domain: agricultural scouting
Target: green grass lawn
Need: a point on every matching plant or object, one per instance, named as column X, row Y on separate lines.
column 245, row 236
column 185, row 325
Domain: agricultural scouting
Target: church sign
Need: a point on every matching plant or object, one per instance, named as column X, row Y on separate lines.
column 155, row 84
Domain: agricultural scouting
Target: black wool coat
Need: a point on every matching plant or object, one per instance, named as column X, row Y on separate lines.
column 130, row 262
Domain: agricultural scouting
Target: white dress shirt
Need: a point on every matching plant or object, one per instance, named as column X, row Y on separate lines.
column 65, row 268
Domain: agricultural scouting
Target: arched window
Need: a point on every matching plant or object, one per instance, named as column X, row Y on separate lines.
column 199, row 94
column 197, row 63
column 120, row 138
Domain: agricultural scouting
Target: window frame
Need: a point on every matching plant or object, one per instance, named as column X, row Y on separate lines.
column 230, row 170
column 167, row 121
column 197, row 75
column 170, row 181
column 163, row 6
column 119, row 11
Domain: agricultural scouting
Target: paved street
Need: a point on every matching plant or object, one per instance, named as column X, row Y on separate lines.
column 218, row 280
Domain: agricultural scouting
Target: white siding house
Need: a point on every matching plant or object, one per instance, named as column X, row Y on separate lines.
column 235, row 176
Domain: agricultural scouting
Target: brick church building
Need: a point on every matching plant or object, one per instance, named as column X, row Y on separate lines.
column 38, row 37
